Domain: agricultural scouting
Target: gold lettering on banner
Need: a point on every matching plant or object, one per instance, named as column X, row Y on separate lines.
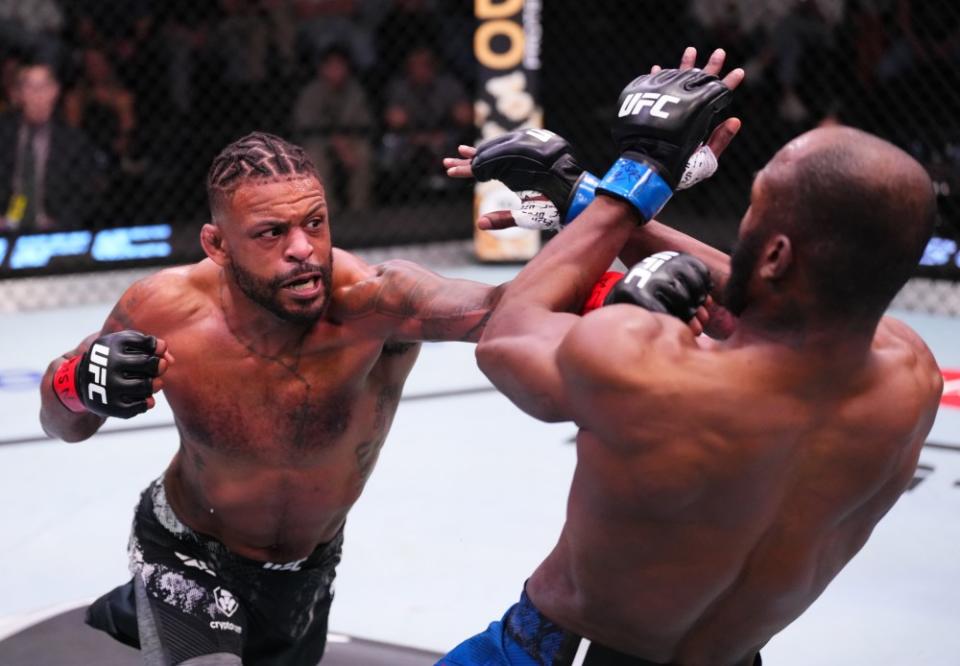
column 485, row 35
column 488, row 9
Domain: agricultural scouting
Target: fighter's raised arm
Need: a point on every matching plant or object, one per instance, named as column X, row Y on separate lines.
column 541, row 161
column 518, row 349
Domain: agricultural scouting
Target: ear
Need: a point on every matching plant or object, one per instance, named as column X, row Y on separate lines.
column 777, row 258
column 214, row 244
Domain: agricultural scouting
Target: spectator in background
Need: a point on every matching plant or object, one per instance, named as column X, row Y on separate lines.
column 347, row 23
column 9, row 67
column 102, row 107
column 48, row 170
column 31, row 25
column 929, row 36
column 427, row 115
column 333, row 123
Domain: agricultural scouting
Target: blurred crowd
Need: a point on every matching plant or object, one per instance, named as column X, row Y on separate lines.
column 110, row 110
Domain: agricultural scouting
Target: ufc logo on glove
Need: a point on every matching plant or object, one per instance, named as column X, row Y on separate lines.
column 98, row 368
column 634, row 103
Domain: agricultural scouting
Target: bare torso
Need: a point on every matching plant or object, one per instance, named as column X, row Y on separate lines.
column 727, row 490
column 274, row 450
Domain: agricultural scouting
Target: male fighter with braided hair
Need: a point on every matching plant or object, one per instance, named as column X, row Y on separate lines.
column 290, row 360
column 720, row 486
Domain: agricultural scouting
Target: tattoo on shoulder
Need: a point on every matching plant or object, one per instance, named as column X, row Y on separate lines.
column 447, row 309
column 119, row 318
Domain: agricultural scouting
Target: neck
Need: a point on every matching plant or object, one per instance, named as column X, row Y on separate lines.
column 256, row 327
column 817, row 343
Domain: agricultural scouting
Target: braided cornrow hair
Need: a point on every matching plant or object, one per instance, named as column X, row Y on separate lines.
column 257, row 156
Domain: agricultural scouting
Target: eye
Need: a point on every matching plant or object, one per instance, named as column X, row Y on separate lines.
column 272, row 232
column 315, row 223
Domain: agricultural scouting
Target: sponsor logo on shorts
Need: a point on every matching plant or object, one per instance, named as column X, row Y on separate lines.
column 286, row 566
column 195, row 563
column 226, row 626
column 226, row 602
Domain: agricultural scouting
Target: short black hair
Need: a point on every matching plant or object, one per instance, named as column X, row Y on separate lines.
column 859, row 213
column 257, row 156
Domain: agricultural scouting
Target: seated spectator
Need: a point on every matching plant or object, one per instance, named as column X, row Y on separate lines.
column 31, row 25
column 427, row 115
column 333, row 122
column 346, row 23
column 928, row 37
column 102, row 107
column 48, row 170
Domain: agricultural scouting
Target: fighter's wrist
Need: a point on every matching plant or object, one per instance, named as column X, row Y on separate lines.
column 637, row 183
column 601, row 290
column 65, row 386
column 583, row 193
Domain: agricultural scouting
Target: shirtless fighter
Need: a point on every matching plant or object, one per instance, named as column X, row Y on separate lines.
column 720, row 486
column 290, row 359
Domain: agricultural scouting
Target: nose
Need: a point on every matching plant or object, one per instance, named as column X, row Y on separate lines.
column 298, row 248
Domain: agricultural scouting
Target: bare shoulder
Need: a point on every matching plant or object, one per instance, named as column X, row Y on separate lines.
column 348, row 269
column 902, row 345
column 613, row 345
column 167, row 297
column 389, row 287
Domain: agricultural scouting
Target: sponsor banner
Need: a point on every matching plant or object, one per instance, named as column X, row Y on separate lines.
column 506, row 45
column 57, row 252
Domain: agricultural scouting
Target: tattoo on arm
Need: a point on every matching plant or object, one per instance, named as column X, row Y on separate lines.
column 444, row 309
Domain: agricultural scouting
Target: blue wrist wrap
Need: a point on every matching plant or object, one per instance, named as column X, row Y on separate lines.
column 583, row 195
column 638, row 184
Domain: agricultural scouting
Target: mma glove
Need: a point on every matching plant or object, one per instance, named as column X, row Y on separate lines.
column 661, row 122
column 670, row 283
column 114, row 377
column 542, row 161
column 537, row 159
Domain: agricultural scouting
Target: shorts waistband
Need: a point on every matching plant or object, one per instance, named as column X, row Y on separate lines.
column 154, row 505
column 552, row 645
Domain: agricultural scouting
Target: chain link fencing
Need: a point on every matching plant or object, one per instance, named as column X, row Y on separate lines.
column 139, row 95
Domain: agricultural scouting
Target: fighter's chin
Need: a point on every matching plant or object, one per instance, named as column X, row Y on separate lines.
column 303, row 311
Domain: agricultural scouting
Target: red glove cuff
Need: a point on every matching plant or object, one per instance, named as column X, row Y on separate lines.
column 65, row 385
column 600, row 291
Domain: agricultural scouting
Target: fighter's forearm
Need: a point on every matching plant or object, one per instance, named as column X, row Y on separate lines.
column 58, row 421
column 656, row 237
column 561, row 276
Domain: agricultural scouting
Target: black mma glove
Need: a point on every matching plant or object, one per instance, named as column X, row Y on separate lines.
column 113, row 378
column 661, row 122
column 666, row 282
column 537, row 159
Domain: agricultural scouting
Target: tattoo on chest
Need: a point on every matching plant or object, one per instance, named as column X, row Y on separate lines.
column 310, row 417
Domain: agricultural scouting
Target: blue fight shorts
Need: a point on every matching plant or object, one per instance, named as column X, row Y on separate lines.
column 524, row 637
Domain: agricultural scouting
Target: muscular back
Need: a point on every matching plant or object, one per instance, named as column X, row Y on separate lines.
column 718, row 490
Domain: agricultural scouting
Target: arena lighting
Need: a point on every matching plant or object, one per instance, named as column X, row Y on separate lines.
column 940, row 252
column 35, row 251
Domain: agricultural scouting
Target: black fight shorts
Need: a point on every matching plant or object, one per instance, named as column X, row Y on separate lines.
column 193, row 601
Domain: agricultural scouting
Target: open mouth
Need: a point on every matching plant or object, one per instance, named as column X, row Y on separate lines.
column 304, row 285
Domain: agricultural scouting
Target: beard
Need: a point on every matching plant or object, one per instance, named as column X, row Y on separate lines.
column 267, row 292
column 743, row 262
